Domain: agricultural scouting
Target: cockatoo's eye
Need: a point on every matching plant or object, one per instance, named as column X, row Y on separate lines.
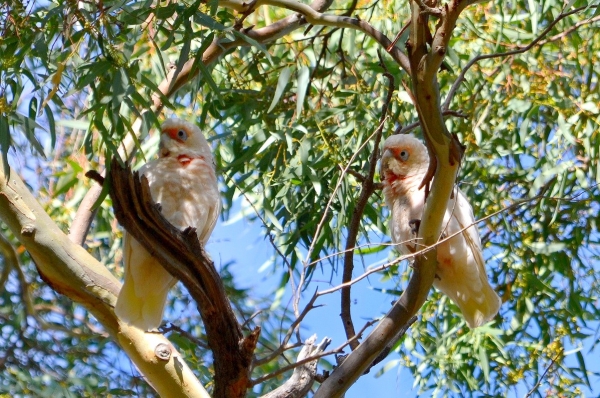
column 182, row 135
column 404, row 155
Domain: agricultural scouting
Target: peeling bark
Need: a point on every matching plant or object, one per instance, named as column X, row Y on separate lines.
column 299, row 384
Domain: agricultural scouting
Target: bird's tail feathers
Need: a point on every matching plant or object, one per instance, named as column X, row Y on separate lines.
column 478, row 306
column 141, row 312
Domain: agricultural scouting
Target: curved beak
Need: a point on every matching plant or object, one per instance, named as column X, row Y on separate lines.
column 385, row 158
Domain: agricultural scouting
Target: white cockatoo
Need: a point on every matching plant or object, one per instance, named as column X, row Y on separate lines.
column 460, row 272
column 183, row 181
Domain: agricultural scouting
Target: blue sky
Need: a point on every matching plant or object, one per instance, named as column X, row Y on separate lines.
column 242, row 243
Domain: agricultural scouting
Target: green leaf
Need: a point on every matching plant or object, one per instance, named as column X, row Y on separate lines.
column 120, row 84
column 203, row 19
column 301, row 87
column 51, row 125
column 5, row 142
column 284, row 78
column 252, row 42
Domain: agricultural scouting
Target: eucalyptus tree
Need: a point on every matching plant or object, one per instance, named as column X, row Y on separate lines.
column 296, row 100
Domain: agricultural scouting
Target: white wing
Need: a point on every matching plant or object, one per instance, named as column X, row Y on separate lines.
column 188, row 196
column 461, row 267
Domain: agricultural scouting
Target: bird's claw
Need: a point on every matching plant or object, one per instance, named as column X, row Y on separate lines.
column 414, row 225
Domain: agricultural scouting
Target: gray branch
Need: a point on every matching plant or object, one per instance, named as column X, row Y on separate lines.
column 304, row 375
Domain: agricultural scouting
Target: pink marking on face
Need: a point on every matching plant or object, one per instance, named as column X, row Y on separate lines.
column 184, row 160
column 390, row 178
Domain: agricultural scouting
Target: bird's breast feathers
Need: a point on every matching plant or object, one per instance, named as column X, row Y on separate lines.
column 186, row 188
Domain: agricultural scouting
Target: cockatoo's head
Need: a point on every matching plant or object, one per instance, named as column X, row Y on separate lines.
column 404, row 160
column 184, row 141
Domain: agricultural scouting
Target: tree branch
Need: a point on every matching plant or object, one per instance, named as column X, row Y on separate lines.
column 367, row 189
column 70, row 270
column 299, row 384
column 314, row 17
column 539, row 382
column 182, row 255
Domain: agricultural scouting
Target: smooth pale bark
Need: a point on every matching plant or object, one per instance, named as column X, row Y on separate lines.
column 445, row 154
column 70, row 270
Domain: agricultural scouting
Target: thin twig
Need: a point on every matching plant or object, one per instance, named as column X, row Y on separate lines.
column 463, row 72
column 367, row 190
column 270, row 237
column 541, row 378
column 282, row 347
column 309, row 359
column 325, row 215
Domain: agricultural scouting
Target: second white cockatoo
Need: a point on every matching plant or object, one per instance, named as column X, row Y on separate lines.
column 460, row 272
column 183, row 181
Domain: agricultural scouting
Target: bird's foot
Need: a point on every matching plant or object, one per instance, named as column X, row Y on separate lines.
column 414, row 225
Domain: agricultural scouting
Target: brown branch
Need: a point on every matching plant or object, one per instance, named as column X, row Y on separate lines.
column 283, row 346
column 367, row 189
column 182, row 255
column 535, row 387
column 397, row 37
column 426, row 10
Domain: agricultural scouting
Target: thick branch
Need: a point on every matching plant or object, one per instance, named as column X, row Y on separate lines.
column 445, row 157
column 315, row 17
column 71, row 270
column 182, row 255
column 299, row 384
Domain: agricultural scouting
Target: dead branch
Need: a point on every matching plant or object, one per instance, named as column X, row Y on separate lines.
column 299, row 384
column 182, row 255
